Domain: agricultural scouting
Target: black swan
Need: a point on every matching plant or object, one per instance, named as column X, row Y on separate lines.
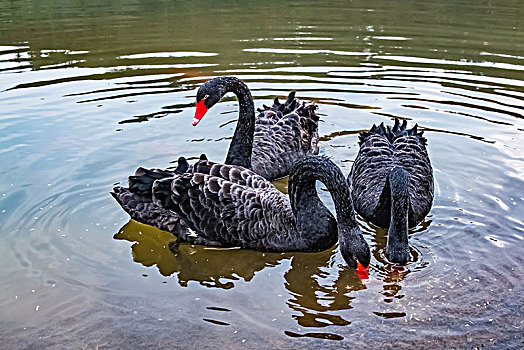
column 273, row 141
column 231, row 206
column 269, row 144
column 392, row 183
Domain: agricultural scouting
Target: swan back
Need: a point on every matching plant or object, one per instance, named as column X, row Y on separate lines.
column 284, row 134
column 230, row 206
column 381, row 150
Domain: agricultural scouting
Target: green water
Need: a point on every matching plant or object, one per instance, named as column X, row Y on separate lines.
column 89, row 91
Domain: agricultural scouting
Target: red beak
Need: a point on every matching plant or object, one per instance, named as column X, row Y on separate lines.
column 362, row 272
column 200, row 111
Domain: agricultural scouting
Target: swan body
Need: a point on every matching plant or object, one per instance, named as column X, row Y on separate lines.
column 270, row 142
column 392, row 183
column 229, row 206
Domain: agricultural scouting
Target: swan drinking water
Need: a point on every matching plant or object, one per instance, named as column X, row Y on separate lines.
column 392, row 183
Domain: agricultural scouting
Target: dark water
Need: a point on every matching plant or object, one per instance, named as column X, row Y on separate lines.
column 89, row 91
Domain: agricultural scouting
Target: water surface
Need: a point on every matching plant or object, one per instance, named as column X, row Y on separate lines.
column 89, row 92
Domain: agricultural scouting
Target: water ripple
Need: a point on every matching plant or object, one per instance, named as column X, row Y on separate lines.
column 88, row 93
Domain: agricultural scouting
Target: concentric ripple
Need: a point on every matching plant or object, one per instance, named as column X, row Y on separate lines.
column 89, row 92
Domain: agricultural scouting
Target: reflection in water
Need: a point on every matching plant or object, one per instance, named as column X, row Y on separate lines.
column 393, row 275
column 70, row 74
column 151, row 246
column 209, row 266
column 316, row 297
column 319, row 289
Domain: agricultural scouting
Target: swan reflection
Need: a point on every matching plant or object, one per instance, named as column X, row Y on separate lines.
column 209, row 266
column 319, row 289
column 391, row 274
column 319, row 286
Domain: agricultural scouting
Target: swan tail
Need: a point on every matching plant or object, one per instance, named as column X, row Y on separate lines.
column 292, row 105
column 399, row 130
column 379, row 130
column 139, row 199
column 392, row 133
column 142, row 182
column 145, row 211
column 130, row 202
column 308, row 111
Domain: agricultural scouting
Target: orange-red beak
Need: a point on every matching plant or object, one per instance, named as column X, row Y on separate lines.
column 200, row 111
column 362, row 272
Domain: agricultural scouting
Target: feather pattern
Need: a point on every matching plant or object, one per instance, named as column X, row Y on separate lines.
column 272, row 141
column 284, row 134
column 231, row 206
column 381, row 150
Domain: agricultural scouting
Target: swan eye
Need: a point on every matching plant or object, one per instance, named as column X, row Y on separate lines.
column 206, row 96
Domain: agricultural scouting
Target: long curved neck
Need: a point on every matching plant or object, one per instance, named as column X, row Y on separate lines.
column 397, row 245
column 304, row 198
column 242, row 144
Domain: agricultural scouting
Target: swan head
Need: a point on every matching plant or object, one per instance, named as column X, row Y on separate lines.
column 353, row 246
column 207, row 96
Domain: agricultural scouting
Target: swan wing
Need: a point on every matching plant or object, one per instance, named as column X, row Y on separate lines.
column 221, row 212
column 233, row 173
column 369, row 172
column 284, row 133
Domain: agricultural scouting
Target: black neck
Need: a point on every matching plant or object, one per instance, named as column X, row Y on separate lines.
column 397, row 245
column 242, row 144
column 314, row 221
column 303, row 194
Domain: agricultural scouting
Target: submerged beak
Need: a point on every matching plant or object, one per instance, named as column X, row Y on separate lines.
column 200, row 111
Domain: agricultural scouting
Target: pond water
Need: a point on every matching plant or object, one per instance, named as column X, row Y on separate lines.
column 91, row 91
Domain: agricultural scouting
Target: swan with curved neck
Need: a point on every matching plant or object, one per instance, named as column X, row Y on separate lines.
column 268, row 143
column 230, row 206
column 392, row 183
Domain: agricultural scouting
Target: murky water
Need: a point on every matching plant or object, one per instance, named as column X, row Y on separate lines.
column 88, row 92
